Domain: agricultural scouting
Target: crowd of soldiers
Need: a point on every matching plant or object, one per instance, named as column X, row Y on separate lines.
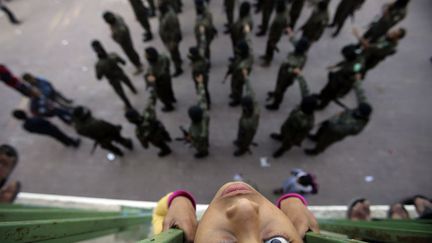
column 373, row 47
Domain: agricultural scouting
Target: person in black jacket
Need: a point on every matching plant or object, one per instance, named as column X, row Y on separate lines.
column 41, row 126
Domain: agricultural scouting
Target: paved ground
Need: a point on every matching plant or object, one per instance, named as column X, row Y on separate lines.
column 54, row 42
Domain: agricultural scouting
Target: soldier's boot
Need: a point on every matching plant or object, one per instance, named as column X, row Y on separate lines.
column 165, row 150
column 168, row 107
column 240, row 152
column 127, row 142
column 178, row 72
column 234, row 103
column 311, row 152
column 312, row 137
column 278, row 153
column 276, row 136
column 262, row 31
column 148, row 36
column 273, row 107
column 201, row 154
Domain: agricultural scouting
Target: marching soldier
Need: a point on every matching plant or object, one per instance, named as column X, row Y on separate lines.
column 170, row 33
column 317, row 22
column 344, row 9
column 249, row 120
column 295, row 11
column 288, row 72
column 149, row 129
column 158, row 76
column 347, row 123
column 280, row 23
column 142, row 15
column 242, row 27
column 200, row 65
column 102, row 132
column 342, row 79
column 243, row 62
column 393, row 13
column 198, row 133
column 374, row 53
column 108, row 66
column 204, row 26
column 299, row 123
column 120, row 34
column 267, row 7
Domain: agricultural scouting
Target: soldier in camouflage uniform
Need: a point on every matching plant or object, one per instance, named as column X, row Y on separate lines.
column 198, row 134
column 344, row 9
column 288, row 72
column 280, row 23
column 103, row 133
column 108, row 66
column 200, row 65
column 341, row 81
column 241, row 29
column 317, row 22
column 266, row 10
column 376, row 52
column 295, row 11
column 242, row 62
column 158, row 76
column 249, row 120
column 347, row 123
column 299, row 123
column 170, row 33
column 120, row 34
column 142, row 15
column 204, row 25
column 229, row 6
column 149, row 129
column 393, row 14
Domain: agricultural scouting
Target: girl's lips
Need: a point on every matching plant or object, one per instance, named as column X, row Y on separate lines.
column 236, row 189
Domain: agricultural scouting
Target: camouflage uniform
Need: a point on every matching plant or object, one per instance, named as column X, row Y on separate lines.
column 286, row 77
column 297, row 126
column 267, row 9
column 341, row 81
column 102, row 132
column 315, row 25
column 170, row 33
column 163, row 84
column 378, row 52
column 200, row 65
column 121, row 35
column 199, row 133
column 229, row 9
column 151, row 130
column 279, row 24
column 205, row 20
column 238, row 32
column 295, row 11
column 237, row 77
column 390, row 18
column 340, row 126
column 110, row 69
column 142, row 15
column 344, row 9
column 248, row 124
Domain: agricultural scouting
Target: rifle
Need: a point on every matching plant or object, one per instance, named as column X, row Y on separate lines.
column 339, row 103
column 186, row 136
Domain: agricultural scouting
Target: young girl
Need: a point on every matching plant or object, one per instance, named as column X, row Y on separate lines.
column 237, row 214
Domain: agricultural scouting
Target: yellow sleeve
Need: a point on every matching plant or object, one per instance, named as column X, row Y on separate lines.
column 159, row 213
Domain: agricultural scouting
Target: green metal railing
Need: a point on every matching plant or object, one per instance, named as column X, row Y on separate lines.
column 20, row 223
column 34, row 224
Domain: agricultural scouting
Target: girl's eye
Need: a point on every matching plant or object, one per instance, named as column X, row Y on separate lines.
column 277, row 239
